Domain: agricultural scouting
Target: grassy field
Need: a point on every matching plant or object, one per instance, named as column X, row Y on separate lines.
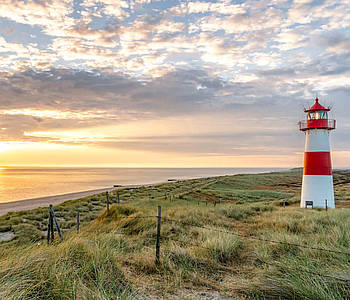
column 206, row 250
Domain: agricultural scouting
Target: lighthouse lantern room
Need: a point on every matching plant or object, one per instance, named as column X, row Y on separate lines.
column 317, row 189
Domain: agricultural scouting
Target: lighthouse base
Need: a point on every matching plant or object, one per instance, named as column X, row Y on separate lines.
column 318, row 189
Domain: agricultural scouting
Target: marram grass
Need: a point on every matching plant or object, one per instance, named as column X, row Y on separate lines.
column 76, row 269
column 113, row 256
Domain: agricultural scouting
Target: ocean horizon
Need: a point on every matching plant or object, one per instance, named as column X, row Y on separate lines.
column 22, row 183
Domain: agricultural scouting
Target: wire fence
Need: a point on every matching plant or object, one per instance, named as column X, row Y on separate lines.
column 280, row 266
column 269, row 241
column 179, row 222
column 160, row 219
column 257, row 238
column 303, row 271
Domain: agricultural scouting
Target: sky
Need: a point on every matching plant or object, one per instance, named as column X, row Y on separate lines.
column 144, row 83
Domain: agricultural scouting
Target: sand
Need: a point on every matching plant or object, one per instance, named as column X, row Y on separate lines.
column 57, row 199
column 46, row 201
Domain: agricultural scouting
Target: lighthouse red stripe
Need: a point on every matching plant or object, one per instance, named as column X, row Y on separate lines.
column 317, row 163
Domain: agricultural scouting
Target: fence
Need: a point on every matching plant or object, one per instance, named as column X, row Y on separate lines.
column 160, row 219
column 167, row 196
column 262, row 240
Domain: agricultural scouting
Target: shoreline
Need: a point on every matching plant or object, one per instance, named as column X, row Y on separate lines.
column 37, row 202
column 33, row 203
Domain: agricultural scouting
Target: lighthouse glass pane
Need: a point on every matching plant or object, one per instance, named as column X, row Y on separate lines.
column 318, row 115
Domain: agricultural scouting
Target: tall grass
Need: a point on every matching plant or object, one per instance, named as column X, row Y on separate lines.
column 76, row 269
column 113, row 257
column 299, row 273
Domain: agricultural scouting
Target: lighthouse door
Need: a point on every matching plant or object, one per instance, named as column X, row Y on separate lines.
column 309, row 203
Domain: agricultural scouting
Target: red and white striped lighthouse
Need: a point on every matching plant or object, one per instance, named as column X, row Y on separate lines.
column 317, row 189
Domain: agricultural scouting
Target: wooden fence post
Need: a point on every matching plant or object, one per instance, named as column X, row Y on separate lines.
column 51, row 226
column 326, row 204
column 78, row 221
column 118, row 200
column 107, row 204
column 214, row 203
column 158, row 235
column 48, row 230
column 55, row 220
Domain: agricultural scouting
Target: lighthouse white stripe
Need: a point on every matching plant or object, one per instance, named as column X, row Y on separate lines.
column 318, row 188
column 317, row 140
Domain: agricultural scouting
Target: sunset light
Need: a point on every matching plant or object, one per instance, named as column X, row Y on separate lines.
column 169, row 83
column 174, row 149
column 52, row 114
column 8, row 146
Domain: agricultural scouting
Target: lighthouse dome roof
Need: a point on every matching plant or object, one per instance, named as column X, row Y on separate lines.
column 317, row 106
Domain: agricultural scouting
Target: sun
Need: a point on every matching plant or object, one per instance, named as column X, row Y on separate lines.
column 5, row 146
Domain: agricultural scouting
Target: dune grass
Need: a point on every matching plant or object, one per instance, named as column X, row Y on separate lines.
column 113, row 256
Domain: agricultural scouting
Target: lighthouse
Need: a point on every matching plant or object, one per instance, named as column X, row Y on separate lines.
column 317, row 189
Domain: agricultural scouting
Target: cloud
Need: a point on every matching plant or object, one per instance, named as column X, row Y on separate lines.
column 251, row 66
column 52, row 15
column 337, row 43
column 101, row 37
column 109, row 7
column 328, row 15
column 291, row 39
column 17, row 48
column 66, row 94
column 231, row 144
column 201, row 7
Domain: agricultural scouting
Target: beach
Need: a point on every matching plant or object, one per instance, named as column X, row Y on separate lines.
column 30, row 188
column 33, row 203
column 20, row 183
column 45, row 201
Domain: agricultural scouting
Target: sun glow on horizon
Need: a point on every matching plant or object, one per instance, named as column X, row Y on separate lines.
column 176, row 84
column 54, row 114
column 66, row 136
column 6, row 146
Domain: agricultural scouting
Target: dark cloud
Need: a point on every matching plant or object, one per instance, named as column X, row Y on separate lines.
column 213, row 144
column 82, row 90
column 264, row 112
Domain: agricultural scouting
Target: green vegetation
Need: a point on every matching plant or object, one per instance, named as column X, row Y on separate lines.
column 113, row 256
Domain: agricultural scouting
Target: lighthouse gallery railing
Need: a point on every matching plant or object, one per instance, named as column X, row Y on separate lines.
column 317, row 123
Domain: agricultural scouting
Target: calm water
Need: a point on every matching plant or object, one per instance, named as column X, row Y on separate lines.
column 26, row 183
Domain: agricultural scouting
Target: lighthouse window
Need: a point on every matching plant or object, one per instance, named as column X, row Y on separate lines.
column 311, row 115
column 317, row 115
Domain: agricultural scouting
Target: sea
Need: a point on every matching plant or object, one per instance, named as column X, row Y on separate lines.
column 21, row 183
